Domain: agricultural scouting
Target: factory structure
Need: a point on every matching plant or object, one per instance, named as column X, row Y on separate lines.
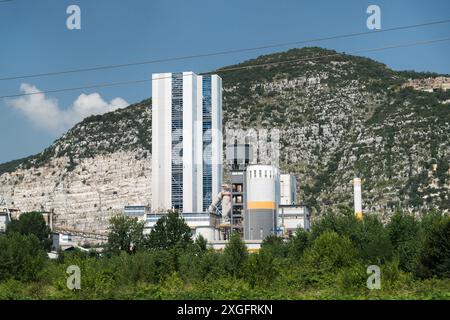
column 187, row 169
column 257, row 199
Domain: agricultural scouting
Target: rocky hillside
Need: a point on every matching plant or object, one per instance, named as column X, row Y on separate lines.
column 340, row 116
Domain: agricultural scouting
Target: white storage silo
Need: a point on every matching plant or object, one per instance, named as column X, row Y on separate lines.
column 262, row 200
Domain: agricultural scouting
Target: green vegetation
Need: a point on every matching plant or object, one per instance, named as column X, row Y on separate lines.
column 169, row 232
column 329, row 262
column 126, row 234
column 32, row 223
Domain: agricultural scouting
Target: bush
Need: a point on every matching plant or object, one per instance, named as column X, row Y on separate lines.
column 12, row 290
column 260, row 269
column 353, row 278
column 126, row 234
column 404, row 232
column 329, row 253
column 374, row 244
column 434, row 259
column 298, row 243
column 32, row 223
column 234, row 255
column 145, row 266
column 96, row 275
column 170, row 231
column 275, row 246
column 21, row 257
column 369, row 236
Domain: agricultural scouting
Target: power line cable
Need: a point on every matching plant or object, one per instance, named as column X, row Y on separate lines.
column 234, row 68
column 115, row 66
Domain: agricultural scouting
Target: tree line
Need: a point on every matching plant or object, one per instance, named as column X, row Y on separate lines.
column 330, row 261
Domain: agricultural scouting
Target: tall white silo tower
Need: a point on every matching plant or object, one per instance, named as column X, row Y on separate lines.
column 262, row 200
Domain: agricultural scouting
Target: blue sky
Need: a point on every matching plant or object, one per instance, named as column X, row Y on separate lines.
column 34, row 39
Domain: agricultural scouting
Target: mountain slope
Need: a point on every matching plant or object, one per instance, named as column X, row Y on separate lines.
column 340, row 116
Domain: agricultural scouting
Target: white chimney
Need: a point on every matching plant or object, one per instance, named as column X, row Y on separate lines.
column 357, row 198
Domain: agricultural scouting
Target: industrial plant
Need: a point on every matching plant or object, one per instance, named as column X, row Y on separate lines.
column 187, row 169
column 187, row 176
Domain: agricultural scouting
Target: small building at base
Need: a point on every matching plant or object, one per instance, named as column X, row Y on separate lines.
column 4, row 220
column 292, row 217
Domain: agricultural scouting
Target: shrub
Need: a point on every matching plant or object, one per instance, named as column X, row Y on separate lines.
column 434, row 259
column 275, row 246
column 234, row 255
column 21, row 257
column 12, row 290
column 353, row 278
column 329, row 253
column 369, row 236
column 170, row 231
column 32, row 223
column 404, row 232
column 260, row 269
column 298, row 243
column 126, row 234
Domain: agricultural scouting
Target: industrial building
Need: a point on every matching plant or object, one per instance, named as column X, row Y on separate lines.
column 187, row 169
column 292, row 217
column 206, row 224
column 137, row 211
column 4, row 220
column 288, row 189
column 186, row 141
column 239, row 156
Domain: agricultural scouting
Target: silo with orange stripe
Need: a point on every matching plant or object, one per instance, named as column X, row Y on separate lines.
column 262, row 199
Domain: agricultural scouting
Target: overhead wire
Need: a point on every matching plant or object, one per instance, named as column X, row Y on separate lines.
column 426, row 42
column 217, row 53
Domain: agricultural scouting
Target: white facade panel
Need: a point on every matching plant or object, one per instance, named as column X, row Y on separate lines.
column 161, row 141
column 217, row 134
column 189, row 119
column 199, row 144
column 288, row 189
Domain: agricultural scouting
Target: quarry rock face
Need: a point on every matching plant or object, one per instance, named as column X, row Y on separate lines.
column 85, row 197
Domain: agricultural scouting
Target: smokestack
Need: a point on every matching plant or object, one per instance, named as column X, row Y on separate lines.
column 357, row 198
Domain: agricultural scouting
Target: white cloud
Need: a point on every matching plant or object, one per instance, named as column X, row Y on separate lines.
column 46, row 114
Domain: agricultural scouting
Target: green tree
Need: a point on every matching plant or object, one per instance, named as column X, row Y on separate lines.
column 201, row 243
column 404, row 233
column 374, row 244
column 260, row 269
column 21, row 257
column 328, row 254
column 32, row 223
column 170, row 231
column 126, row 234
column 275, row 246
column 235, row 255
column 434, row 259
column 369, row 235
column 298, row 243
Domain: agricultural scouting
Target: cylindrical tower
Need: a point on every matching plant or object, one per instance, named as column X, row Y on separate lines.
column 357, row 198
column 261, row 207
